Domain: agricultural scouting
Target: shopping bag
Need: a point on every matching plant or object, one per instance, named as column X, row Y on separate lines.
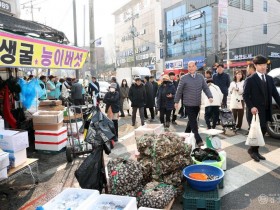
column 235, row 101
column 255, row 136
column 126, row 104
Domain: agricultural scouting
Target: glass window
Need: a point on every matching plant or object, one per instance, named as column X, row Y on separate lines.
column 265, row 6
column 234, row 3
column 264, row 28
column 247, row 5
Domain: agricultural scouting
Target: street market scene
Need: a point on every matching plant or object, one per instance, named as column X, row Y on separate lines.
column 139, row 104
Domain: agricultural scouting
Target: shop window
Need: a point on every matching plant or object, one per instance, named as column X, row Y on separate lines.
column 247, row 5
column 234, row 3
column 265, row 6
column 264, row 28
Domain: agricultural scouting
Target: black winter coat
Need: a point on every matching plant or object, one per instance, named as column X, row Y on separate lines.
column 150, row 95
column 137, row 95
column 162, row 100
column 222, row 81
column 155, row 88
column 112, row 99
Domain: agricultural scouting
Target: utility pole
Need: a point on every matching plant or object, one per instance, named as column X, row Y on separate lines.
column 31, row 7
column 32, row 10
column 205, row 41
column 75, row 31
column 84, row 25
column 92, row 38
column 133, row 31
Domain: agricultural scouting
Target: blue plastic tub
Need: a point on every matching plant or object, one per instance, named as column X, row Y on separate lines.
column 203, row 185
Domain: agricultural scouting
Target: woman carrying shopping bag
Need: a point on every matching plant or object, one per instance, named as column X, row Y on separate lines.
column 112, row 101
column 124, row 101
column 236, row 98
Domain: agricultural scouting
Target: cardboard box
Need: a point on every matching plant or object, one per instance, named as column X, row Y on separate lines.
column 17, row 158
column 50, row 127
column 4, row 160
column 51, row 140
column 51, row 108
column 50, row 103
column 72, row 117
column 3, row 173
column 149, row 129
column 13, row 140
column 47, row 117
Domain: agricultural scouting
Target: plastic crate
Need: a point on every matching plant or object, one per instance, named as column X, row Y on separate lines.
column 193, row 199
column 68, row 199
column 129, row 203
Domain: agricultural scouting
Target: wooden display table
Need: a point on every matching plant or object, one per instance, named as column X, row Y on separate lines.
column 28, row 166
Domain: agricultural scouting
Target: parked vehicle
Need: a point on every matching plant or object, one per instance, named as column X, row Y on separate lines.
column 130, row 73
column 273, row 128
column 104, row 86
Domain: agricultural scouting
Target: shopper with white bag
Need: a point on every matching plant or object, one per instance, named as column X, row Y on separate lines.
column 258, row 92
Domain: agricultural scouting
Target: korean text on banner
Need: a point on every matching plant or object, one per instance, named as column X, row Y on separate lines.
column 21, row 51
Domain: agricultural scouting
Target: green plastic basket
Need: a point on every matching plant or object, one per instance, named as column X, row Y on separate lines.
column 216, row 164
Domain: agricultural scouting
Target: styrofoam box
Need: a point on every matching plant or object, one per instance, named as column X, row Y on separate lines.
column 145, row 208
column 149, row 129
column 3, row 173
column 13, row 140
column 128, row 202
column 74, row 128
column 4, row 160
column 51, row 140
column 17, row 158
column 70, row 196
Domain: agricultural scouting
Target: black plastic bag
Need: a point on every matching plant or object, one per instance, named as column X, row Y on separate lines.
column 91, row 173
column 205, row 154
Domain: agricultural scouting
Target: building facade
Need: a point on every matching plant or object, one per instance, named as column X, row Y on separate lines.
column 10, row 7
column 138, row 20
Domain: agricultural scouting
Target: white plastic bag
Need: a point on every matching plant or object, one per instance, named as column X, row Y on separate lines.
column 235, row 101
column 126, row 104
column 255, row 137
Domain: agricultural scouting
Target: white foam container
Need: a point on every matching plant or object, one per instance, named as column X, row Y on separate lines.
column 86, row 195
column 128, row 202
column 3, row 173
column 146, row 208
column 4, row 160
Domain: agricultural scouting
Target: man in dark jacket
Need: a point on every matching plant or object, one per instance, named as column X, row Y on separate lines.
column 155, row 89
column 222, row 80
column 258, row 92
column 150, row 99
column 76, row 93
column 93, row 88
column 137, row 96
column 175, row 83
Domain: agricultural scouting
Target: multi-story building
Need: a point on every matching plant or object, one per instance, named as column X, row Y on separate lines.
column 138, row 21
column 10, row 7
column 206, row 30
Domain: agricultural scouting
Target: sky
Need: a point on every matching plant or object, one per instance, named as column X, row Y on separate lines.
column 58, row 14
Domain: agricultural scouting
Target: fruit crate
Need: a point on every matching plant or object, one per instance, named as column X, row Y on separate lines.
column 193, row 199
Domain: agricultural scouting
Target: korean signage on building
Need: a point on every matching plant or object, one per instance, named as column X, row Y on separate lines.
column 199, row 60
column 174, row 64
column 20, row 51
column 4, row 6
column 242, row 57
column 274, row 55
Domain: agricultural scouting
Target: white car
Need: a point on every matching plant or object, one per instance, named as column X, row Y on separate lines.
column 104, row 87
column 273, row 128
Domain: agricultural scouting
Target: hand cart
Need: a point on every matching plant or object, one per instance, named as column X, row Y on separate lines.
column 75, row 145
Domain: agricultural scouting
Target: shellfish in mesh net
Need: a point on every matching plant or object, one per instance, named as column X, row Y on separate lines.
column 156, row 195
column 125, row 176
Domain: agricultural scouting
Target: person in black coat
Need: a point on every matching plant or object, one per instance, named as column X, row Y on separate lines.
column 175, row 83
column 155, row 89
column 93, row 89
column 165, row 100
column 112, row 100
column 150, row 99
column 137, row 96
column 258, row 92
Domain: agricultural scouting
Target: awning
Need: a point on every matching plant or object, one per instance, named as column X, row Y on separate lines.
column 23, row 51
column 31, row 28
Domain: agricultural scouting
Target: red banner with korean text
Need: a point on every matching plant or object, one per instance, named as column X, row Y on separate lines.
column 21, row 51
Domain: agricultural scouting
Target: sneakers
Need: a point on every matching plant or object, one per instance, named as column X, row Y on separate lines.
column 167, row 124
column 174, row 123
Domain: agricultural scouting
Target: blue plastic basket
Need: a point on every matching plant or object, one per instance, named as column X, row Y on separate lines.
column 207, row 185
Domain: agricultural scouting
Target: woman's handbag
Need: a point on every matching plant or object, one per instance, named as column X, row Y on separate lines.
column 255, row 137
column 235, row 101
column 126, row 104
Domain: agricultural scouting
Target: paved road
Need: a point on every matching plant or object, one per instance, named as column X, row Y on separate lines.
column 248, row 185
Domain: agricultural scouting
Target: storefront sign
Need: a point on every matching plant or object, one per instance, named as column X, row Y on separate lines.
column 187, row 38
column 274, row 55
column 5, row 6
column 174, row 64
column 20, row 51
column 243, row 57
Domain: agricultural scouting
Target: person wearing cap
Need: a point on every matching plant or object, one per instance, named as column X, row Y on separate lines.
column 150, row 99
column 258, row 92
column 112, row 101
column 191, row 86
column 137, row 96
column 175, row 83
column 165, row 100
column 222, row 80
column 93, row 89
column 51, row 88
